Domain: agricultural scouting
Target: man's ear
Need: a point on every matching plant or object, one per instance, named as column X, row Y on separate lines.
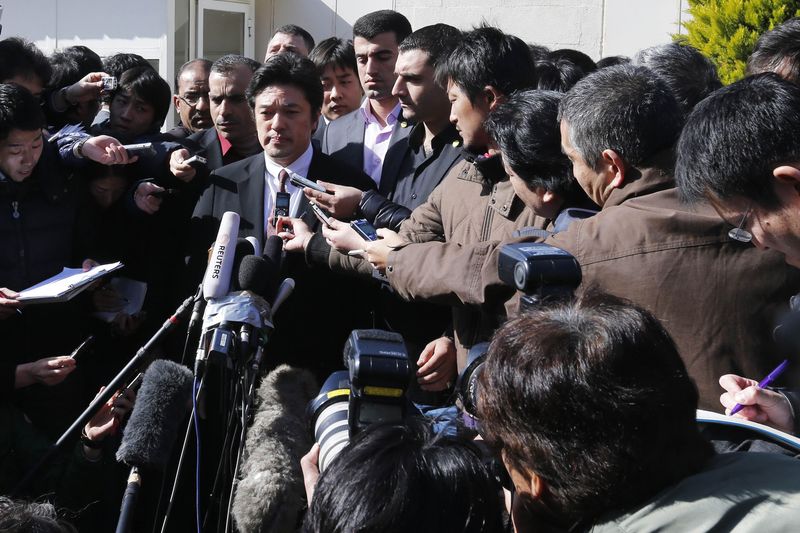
column 537, row 485
column 548, row 196
column 493, row 96
column 176, row 102
column 613, row 169
column 788, row 175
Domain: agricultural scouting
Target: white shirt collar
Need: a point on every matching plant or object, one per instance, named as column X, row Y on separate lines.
column 298, row 167
column 369, row 116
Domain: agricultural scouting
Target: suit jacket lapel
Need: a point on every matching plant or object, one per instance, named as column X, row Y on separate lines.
column 212, row 147
column 357, row 131
column 395, row 155
column 251, row 199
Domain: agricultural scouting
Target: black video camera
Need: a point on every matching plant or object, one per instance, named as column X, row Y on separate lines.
column 539, row 271
column 372, row 389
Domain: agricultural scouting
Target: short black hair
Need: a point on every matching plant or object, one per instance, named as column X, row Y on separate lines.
column 145, row 83
column 71, row 64
column 525, row 128
column 19, row 110
column 624, row 108
column 400, row 478
column 538, row 51
column 294, row 29
column 690, row 75
column 88, row 60
column 116, row 64
column 487, row 56
column 20, row 57
column 334, row 52
column 610, row 61
column 288, row 69
column 594, row 398
column 778, row 50
column 558, row 75
column 189, row 64
column 586, row 63
column 228, row 64
column 735, row 138
column 385, row 20
column 436, row 40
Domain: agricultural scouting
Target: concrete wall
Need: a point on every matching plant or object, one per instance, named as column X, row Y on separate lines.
column 597, row 27
column 139, row 27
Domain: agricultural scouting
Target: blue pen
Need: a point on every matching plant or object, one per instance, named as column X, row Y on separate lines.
column 764, row 383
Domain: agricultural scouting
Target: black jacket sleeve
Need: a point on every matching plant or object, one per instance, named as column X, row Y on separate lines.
column 382, row 212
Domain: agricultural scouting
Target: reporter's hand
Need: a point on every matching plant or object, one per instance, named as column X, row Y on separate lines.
column 89, row 264
column 87, row 88
column 760, row 405
column 342, row 237
column 106, row 299
column 178, row 168
column 340, row 201
column 392, row 239
column 47, row 371
column 144, row 199
column 377, row 252
column 107, row 420
column 107, row 150
column 125, row 324
column 437, row 365
column 294, row 232
column 8, row 302
column 310, row 466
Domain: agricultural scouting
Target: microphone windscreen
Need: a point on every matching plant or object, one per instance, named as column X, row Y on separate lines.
column 270, row 494
column 256, row 274
column 162, row 403
column 273, row 250
column 217, row 281
column 243, row 249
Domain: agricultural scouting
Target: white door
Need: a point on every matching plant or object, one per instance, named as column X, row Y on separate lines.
column 224, row 27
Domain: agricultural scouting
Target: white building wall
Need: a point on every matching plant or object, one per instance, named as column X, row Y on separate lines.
column 106, row 26
column 597, row 27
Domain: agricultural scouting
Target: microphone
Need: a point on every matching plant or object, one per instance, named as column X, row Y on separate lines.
column 161, row 405
column 257, row 275
column 270, row 495
column 286, row 288
column 273, row 250
column 256, row 245
column 244, row 248
column 217, row 280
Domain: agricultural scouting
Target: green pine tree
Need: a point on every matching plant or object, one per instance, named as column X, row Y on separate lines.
column 726, row 30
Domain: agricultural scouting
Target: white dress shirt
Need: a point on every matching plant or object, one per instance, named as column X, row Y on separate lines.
column 298, row 168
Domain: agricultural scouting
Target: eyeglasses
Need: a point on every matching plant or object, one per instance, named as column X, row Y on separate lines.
column 739, row 233
column 192, row 99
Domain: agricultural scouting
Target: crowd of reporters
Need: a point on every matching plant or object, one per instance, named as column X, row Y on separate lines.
column 450, row 145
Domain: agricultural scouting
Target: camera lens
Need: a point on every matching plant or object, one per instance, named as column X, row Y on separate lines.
column 521, row 275
column 328, row 413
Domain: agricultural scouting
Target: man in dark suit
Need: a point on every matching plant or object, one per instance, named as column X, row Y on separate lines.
column 232, row 138
column 362, row 138
column 286, row 95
